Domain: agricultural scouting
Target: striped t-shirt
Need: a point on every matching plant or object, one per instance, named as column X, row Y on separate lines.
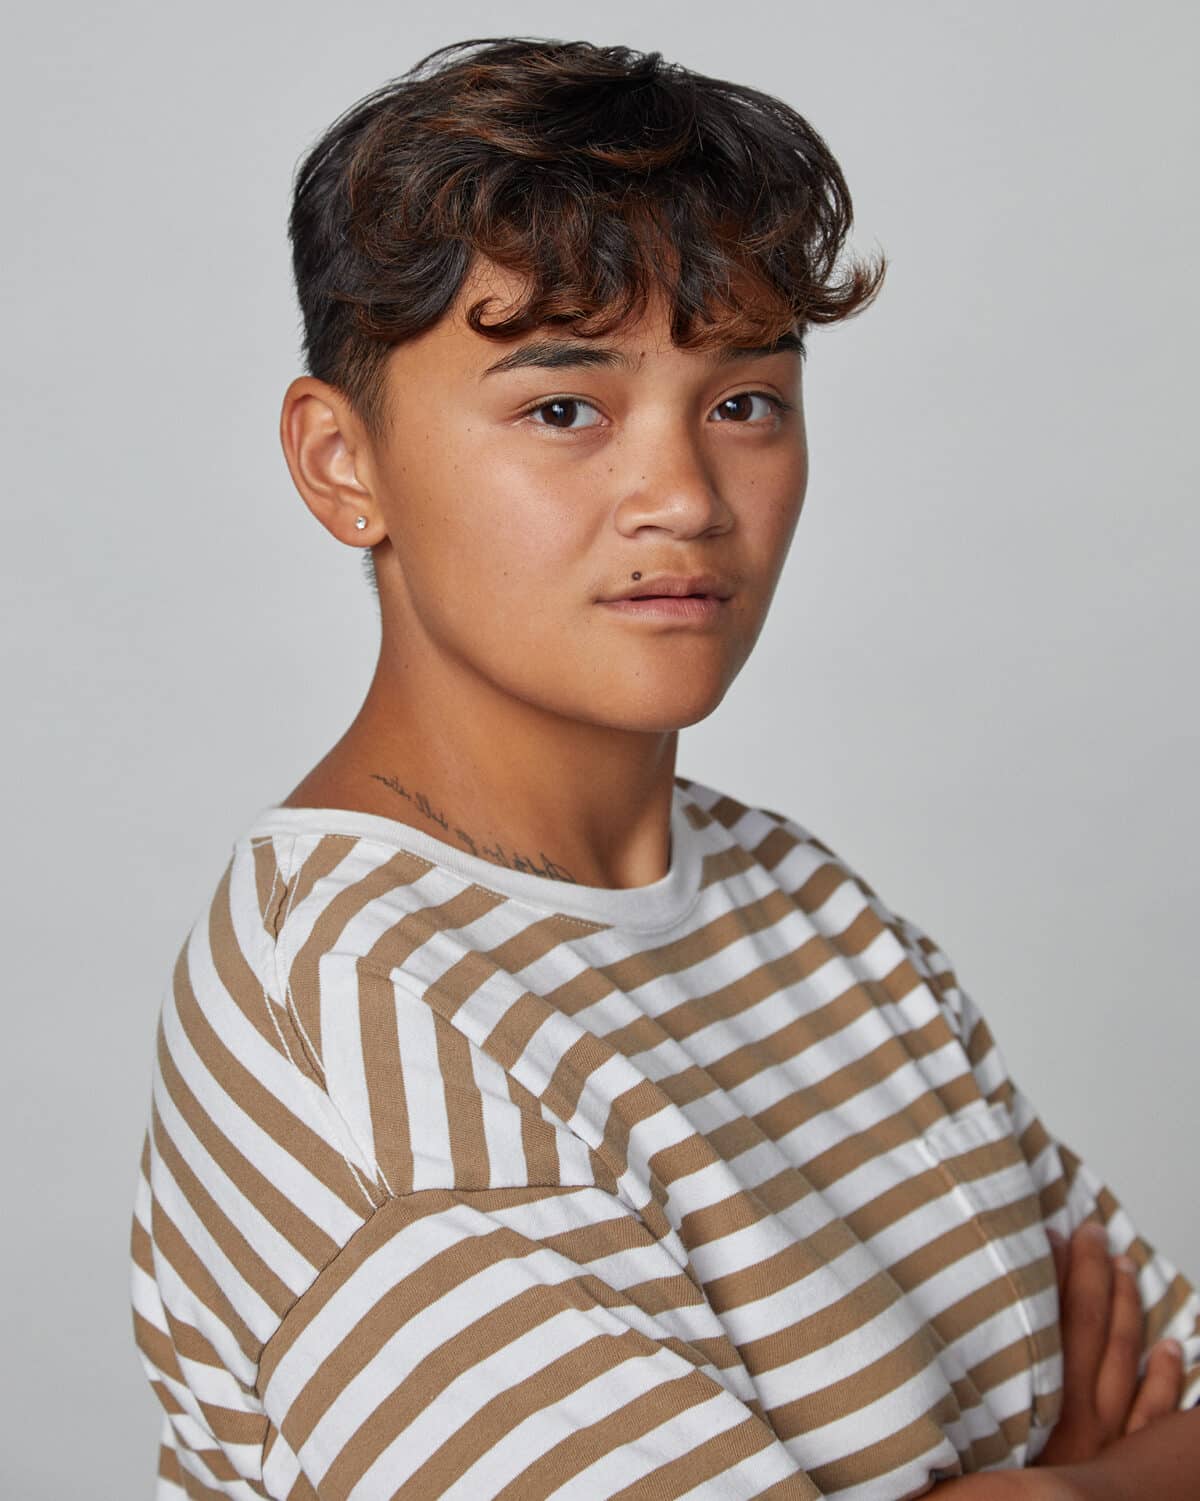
column 463, row 1181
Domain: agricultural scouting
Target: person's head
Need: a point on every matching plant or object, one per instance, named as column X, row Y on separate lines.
column 506, row 188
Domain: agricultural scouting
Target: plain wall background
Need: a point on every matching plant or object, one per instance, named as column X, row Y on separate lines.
column 1000, row 530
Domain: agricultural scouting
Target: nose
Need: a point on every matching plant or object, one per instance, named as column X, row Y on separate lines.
column 671, row 484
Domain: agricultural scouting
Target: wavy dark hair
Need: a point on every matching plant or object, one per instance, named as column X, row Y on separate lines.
column 596, row 171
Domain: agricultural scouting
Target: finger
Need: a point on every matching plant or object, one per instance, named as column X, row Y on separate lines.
column 1161, row 1386
column 1117, row 1379
column 1085, row 1315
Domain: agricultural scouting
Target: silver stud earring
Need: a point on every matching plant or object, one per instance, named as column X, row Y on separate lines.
column 360, row 522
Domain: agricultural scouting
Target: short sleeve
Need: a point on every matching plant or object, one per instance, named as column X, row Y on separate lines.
column 1070, row 1192
column 512, row 1343
column 312, row 1331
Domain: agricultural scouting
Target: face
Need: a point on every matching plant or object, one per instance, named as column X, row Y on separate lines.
column 517, row 501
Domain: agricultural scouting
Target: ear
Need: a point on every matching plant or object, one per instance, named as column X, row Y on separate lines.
column 328, row 457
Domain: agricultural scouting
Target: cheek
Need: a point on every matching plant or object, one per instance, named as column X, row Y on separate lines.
column 501, row 548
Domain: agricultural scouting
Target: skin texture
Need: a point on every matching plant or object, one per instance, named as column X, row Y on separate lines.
column 510, row 714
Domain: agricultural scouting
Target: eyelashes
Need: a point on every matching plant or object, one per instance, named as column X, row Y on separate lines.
column 778, row 404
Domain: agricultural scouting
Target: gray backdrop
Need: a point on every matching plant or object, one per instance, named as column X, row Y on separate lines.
column 1001, row 522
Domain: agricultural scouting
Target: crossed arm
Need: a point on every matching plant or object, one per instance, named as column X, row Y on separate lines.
column 1116, row 1439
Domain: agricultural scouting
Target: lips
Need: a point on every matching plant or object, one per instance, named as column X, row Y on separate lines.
column 699, row 608
column 677, row 586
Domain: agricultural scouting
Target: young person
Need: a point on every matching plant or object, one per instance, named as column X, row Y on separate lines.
column 530, row 1119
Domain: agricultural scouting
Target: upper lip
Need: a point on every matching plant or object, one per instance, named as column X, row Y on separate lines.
column 676, row 584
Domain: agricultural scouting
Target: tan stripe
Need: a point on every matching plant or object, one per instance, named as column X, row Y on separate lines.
column 983, row 1302
column 713, row 1222
column 859, row 1388
column 1034, row 1140
column 387, row 1096
column 539, row 1144
column 724, row 865
column 907, row 1123
column 1003, row 1094
column 361, row 1246
column 867, row 1071
column 487, row 1427
column 708, row 1462
column 399, row 1302
column 464, row 1108
column 1014, row 1430
column 236, row 975
column 166, row 1397
column 231, row 1425
column 191, row 1271
column 324, row 857
column 625, row 1427
column 790, row 1488
column 140, row 1247
column 805, row 1336
column 304, row 985
column 217, row 1463
column 1164, row 1309
column 979, row 1044
column 250, row 1267
column 268, row 882
column 288, row 1131
column 579, row 991
column 569, row 1080
column 712, row 938
column 1000, row 1366
column 190, row 1344
column 538, row 938
column 1070, row 1164
column 945, row 1250
column 529, row 1309
column 196, row 1489
column 168, row 1465
column 439, row 1276
column 1053, row 1197
column 157, row 1348
column 460, row 981
column 305, row 1237
column 727, row 811
column 982, row 1161
column 768, row 979
column 895, row 1203
column 395, row 945
column 774, row 847
column 509, row 1038
column 693, row 812
column 921, row 1436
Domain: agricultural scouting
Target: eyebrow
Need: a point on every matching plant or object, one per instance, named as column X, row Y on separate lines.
column 566, row 354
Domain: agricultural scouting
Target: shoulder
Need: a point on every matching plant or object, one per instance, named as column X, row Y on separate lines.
column 831, row 889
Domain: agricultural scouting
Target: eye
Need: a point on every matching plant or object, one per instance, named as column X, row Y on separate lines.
column 777, row 403
column 564, row 409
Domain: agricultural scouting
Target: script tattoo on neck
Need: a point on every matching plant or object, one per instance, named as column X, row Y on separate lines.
column 496, row 852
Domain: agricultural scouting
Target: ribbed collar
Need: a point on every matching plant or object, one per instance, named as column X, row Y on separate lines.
column 655, row 906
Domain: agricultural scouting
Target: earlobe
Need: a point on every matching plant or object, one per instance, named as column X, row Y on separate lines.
column 313, row 433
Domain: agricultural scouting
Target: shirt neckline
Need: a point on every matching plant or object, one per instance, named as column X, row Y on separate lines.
column 656, row 905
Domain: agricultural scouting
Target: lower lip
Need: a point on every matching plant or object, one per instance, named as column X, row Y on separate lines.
column 698, row 607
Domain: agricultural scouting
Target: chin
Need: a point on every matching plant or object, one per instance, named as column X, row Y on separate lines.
column 669, row 708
